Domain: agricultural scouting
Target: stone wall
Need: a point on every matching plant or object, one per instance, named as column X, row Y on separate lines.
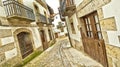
column 113, row 54
column 88, row 6
column 79, row 45
column 16, row 61
column 8, row 52
column 5, row 35
column 9, row 48
column 107, row 24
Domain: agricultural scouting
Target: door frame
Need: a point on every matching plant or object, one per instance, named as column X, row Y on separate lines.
column 94, row 44
column 26, row 50
column 17, row 31
column 44, row 42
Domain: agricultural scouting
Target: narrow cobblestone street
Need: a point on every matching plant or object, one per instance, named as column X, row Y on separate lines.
column 60, row 33
column 62, row 55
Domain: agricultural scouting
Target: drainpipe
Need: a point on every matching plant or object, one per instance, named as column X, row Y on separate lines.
column 68, row 31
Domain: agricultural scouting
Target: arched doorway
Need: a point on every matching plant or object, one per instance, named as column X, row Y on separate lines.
column 25, row 43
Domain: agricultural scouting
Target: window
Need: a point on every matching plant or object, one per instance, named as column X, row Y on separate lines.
column 97, row 25
column 73, row 29
column 37, row 12
column 88, row 27
column 92, row 26
column 36, row 8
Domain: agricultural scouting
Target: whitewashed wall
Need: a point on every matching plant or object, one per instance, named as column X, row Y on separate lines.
column 76, row 36
column 2, row 11
column 10, row 54
column 65, row 30
column 113, row 10
column 29, row 3
column 47, row 34
column 77, row 2
column 7, row 40
column 41, row 8
column 4, row 41
column 36, row 37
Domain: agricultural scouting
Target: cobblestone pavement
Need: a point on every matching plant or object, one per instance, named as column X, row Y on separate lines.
column 62, row 55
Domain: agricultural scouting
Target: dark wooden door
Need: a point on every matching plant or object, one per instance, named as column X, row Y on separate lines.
column 43, row 38
column 25, row 44
column 50, row 35
column 92, row 39
column 56, row 35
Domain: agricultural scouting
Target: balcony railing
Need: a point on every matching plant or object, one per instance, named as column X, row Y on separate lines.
column 61, row 16
column 41, row 18
column 42, row 2
column 15, row 9
column 50, row 10
column 69, row 3
column 50, row 20
column 67, row 7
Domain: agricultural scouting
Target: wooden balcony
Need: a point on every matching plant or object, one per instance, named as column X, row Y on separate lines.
column 50, row 10
column 70, row 5
column 16, row 10
column 61, row 17
column 42, row 3
column 67, row 7
column 50, row 20
column 41, row 19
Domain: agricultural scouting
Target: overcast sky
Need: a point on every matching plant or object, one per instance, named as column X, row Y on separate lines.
column 54, row 4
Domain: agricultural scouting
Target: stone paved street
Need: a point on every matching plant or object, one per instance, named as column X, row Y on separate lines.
column 62, row 55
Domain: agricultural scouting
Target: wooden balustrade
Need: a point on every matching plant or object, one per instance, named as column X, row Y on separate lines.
column 41, row 18
column 67, row 7
column 50, row 20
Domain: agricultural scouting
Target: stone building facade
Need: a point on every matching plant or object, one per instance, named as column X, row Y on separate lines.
column 94, row 28
column 25, row 27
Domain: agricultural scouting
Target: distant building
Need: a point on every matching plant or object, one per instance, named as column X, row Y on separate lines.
column 25, row 26
column 94, row 27
column 62, row 29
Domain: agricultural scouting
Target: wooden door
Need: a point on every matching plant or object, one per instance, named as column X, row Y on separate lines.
column 25, row 44
column 43, row 38
column 92, row 38
column 50, row 35
column 56, row 35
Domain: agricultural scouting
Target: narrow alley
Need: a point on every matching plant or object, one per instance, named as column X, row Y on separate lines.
column 62, row 55
column 59, row 33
